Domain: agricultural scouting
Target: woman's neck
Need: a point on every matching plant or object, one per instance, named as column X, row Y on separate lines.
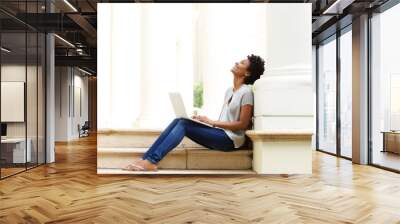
column 237, row 82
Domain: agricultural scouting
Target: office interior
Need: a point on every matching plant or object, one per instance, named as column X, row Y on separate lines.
column 33, row 49
column 49, row 86
column 33, row 63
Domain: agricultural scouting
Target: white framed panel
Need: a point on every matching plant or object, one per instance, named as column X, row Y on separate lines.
column 12, row 101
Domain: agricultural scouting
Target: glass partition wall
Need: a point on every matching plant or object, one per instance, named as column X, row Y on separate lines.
column 327, row 95
column 13, row 89
column 345, row 62
column 22, row 77
column 334, row 92
column 385, row 89
column 334, row 57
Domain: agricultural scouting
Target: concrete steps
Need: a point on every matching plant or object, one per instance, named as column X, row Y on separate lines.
column 116, row 149
column 141, row 138
column 179, row 158
column 175, row 172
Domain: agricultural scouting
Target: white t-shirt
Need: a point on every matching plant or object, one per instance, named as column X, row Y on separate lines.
column 231, row 110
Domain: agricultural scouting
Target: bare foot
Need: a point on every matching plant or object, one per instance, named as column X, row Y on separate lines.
column 132, row 167
column 141, row 165
column 147, row 165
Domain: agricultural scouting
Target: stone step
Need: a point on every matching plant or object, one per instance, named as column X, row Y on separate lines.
column 106, row 171
column 121, row 157
column 178, row 159
column 137, row 138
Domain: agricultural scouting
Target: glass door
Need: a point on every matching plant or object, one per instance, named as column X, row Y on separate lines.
column 327, row 96
column 22, row 77
column 346, row 93
column 385, row 89
column 14, row 154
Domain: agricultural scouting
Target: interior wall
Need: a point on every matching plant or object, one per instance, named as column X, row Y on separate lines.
column 80, row 109
column 14, row 73
column 202, row 45
column 92, row 101
column 62, row 81
column 71, row 102
column 314, row 81
column 33, row 126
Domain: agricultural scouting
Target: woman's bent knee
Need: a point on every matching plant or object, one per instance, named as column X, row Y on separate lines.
column 183, row 120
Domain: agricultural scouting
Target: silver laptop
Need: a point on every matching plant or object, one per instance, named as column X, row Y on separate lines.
column 179, row 108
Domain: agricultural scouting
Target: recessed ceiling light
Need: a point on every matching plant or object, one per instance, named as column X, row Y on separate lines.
column 70, row 5
column 84, row 71
column 5, row 50
column 64, row 40
column 338, row 6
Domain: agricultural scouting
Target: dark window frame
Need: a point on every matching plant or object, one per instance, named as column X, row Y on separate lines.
column 30, row 29
column 334, row 37
column 387, row 5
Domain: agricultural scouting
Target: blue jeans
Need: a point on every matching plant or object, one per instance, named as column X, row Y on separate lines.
column 212, row 138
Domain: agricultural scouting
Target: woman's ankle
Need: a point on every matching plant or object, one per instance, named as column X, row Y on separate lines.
column 147, row 161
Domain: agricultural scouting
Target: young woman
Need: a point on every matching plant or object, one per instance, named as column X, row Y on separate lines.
column 234, row 119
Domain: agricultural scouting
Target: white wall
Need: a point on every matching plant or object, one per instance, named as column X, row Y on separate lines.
column 17, row 73
column 62, row 81
column 33, row 127
column 140, row 62
column 227, row 33
column 69, row 82
column 164, row 48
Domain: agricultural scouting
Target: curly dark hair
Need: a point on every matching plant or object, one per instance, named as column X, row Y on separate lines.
column 256, row 68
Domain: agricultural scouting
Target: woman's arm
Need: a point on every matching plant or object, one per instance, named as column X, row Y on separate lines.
column 241, row 124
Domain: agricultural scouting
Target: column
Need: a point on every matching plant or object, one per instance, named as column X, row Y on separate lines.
column 166, row 62
column 284, row 95
column 360, row 90
column 50, row 98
